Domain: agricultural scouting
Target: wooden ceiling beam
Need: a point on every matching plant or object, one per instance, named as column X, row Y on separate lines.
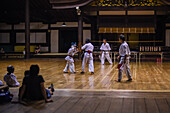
column 166, row 2
column 62, row 1
column 78, row 3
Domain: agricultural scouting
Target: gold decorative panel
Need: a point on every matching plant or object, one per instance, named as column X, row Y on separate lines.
column 128, row 3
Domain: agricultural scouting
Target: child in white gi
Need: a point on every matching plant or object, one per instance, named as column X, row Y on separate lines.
column 124, row 55
column 88, row 56
column 70, row 60
column 1, row 83
column 10, row 78
column 105, row 52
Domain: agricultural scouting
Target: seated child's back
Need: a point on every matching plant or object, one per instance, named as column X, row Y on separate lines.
column 1, row 83
column 10, row 78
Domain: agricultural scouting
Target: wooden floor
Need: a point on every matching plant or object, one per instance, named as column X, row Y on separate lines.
column 146, row 75
column 95, row 102
column 99, row 93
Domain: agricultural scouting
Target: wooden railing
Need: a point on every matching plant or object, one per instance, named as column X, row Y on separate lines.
column 126, row 30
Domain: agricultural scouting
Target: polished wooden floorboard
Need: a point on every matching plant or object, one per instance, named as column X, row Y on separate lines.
column 149, row 92
column 94, row 102
column 99, row 104
column 146, row 75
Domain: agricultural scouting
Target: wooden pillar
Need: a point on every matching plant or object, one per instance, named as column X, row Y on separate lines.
column 98, row 25
column 126, row 17
column 49, row 38
column 155, row 19
column 80, row 33
column 93, row 31
column 155, row 26
column 27, row 28
column 12, row 37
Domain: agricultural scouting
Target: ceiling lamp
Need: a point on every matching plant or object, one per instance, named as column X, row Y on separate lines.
column 78, row 11
column 63, row 24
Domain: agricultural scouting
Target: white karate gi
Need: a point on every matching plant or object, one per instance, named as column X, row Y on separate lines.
column 105, row 54
column 70, row 60
column 11, row 80
column 88, row 57
column 1, row 83
column 123, row 51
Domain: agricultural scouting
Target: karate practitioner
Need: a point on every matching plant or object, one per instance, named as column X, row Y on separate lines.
column 88, row 56
column 105, row 52
column 124, row 55
column 70, row 61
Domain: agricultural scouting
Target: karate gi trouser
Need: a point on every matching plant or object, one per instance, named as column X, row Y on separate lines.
column 70, row 66
column 107, row 56
column 125, row 67
column 88, row 58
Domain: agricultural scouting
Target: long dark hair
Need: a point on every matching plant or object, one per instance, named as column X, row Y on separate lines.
column 34, row 70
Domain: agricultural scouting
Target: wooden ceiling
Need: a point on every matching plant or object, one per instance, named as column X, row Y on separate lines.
column 63, row 1
column 63, row 4
column 166, row 1
column 13, row 11
column 47, row 11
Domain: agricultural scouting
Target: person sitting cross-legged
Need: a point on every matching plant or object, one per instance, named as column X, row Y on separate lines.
column 33, row 87
column 10, row 78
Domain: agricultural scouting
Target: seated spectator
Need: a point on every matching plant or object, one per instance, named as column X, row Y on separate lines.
column 23, row 51
column 33, row 86
column 37, row 50
column 26, row 74
column 2, row 50
column 10, row 78
column 5, row 95
column 1, row 83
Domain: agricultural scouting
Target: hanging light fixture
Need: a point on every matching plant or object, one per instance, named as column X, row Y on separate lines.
column 64, row 24
column 78, row 11
column 126, row 4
